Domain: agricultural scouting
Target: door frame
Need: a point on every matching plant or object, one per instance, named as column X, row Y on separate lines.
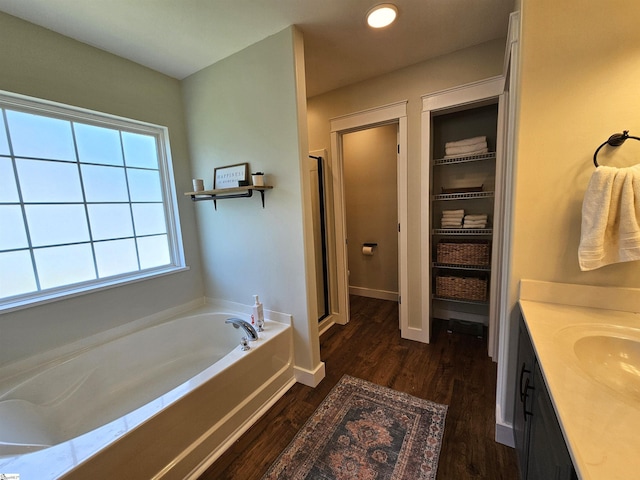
column 395, row 113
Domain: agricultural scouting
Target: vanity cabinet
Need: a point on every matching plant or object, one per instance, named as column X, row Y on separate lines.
column 541, row 449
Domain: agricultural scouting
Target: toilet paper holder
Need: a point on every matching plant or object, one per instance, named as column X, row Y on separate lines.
column 367, row 248
column 369, row 244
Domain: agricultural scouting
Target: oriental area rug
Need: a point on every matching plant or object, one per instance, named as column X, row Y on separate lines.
column 364, row 431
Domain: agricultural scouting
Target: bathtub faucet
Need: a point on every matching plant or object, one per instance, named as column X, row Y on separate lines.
column 246, row 326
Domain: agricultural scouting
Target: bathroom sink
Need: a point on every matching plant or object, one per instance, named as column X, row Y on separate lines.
column 613, row 361
column 611, row 356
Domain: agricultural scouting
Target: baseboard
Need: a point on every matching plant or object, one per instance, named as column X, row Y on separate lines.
column 308, row 377
column 504, row 434
column 325, row 325
column 372, row 293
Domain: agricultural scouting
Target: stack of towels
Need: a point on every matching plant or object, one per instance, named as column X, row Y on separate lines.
column 468, row 146
column 475, row 221
column 452, row 218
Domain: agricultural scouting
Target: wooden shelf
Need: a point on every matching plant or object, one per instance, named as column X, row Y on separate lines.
column 224, row 193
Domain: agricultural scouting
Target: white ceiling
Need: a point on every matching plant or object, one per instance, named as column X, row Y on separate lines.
column 180, row 37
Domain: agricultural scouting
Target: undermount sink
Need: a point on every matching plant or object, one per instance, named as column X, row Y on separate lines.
column 610, row 355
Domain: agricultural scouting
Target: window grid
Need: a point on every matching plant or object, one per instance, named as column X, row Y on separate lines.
column 166, row 233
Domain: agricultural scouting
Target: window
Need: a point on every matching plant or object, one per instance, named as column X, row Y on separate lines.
column 86, row 201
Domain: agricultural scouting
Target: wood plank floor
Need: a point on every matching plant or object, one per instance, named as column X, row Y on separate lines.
column 454, row 369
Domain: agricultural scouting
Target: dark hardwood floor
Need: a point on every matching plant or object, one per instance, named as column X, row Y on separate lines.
column 454, row 369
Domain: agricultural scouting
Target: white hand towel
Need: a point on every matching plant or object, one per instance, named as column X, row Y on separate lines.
column 479, row 226
column 468, row 154
column 451, row 225
column 476, row 147
column 466, row 142
column 446, row 213
column 472, row 218
column 610, row 218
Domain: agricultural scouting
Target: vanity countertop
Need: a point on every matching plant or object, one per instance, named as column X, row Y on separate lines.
column 587, row 341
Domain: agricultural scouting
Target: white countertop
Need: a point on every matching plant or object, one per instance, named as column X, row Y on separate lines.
column 601, row 425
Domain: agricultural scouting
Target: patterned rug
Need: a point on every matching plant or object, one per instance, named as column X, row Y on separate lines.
column 364, row 431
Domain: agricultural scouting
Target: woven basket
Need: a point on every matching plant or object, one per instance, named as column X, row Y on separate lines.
column 463, row 252
column 462, row 288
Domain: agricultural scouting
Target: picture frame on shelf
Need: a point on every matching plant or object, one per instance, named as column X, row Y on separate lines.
column 231, row 176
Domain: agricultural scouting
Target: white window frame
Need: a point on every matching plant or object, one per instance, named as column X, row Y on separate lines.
column 37, row 106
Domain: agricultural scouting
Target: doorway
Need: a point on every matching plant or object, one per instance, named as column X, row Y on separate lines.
column 394, row 114
column 371, row 210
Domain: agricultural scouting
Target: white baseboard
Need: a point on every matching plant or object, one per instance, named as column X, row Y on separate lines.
column 504, row 434
column 308, row 377
column 373, row 293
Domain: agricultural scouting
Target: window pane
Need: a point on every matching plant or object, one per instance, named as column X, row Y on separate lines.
column 12, row 232
column 98, row 144
column 56, row 224
column 8, row 190
column 110, row 221
column 115, row 257
column 41, row 137
column 16, row 274
column 58, row 266
column 153, row 251
column 4, row 145
column 104, row 184
column 144, row 185
column 149, row 218
column 43, row 181
column 140, row 150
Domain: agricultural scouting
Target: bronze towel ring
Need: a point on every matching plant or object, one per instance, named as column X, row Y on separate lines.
column 614, row 140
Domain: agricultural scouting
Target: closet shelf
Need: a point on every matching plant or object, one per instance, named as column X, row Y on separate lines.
column 465, row 159
column 462, row 231
column 462, row 196
column 224, row 193
column 455, row 266
column 457, row 300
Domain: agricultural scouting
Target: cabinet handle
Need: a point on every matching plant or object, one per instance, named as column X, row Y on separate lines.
column 522, row 372
column 527, row 387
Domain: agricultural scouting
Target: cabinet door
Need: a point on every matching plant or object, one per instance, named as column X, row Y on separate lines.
column 523, row 398
column 549, row 458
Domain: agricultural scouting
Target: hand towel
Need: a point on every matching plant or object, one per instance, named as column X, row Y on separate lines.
column 466, row 142
column 476, row 147
column 610, row 231
column 472, row 218
column 451, row 225
column 468, row 154
column 446, row 213
column 480, row 226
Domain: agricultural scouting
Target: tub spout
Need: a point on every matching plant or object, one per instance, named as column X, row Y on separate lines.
column 246, row 326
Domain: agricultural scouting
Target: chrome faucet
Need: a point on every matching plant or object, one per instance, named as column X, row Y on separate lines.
column 252, row 335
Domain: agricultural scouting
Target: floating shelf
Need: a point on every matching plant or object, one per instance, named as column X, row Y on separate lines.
column 465, row 159
column 224, row 193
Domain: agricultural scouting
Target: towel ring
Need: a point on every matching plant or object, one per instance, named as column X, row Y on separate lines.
column 614, row 140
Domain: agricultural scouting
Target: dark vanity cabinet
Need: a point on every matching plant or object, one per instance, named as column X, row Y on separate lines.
column 542, row 452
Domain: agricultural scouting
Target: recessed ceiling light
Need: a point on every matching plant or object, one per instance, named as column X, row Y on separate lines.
column 382, row 15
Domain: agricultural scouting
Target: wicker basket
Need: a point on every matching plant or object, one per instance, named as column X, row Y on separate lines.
column 463, row 252
column 462, row 288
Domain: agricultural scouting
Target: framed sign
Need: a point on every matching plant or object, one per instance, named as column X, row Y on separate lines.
column 230, row 176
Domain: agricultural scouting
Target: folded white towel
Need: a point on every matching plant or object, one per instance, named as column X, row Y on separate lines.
column 478, row 152
column 477, row 216
column 466, row 142
column 451, row 225
column 446, row 213
column 465, row 149
column 610, row 218
column 475, row 222
column 480, row 225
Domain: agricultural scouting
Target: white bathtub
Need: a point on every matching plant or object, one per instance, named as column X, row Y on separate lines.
column 163, row 402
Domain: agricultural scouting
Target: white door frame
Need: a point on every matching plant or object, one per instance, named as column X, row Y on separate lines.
column 395, row 113
column 448, row 100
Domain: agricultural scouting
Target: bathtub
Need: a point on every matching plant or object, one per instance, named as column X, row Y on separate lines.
column 162, row 402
